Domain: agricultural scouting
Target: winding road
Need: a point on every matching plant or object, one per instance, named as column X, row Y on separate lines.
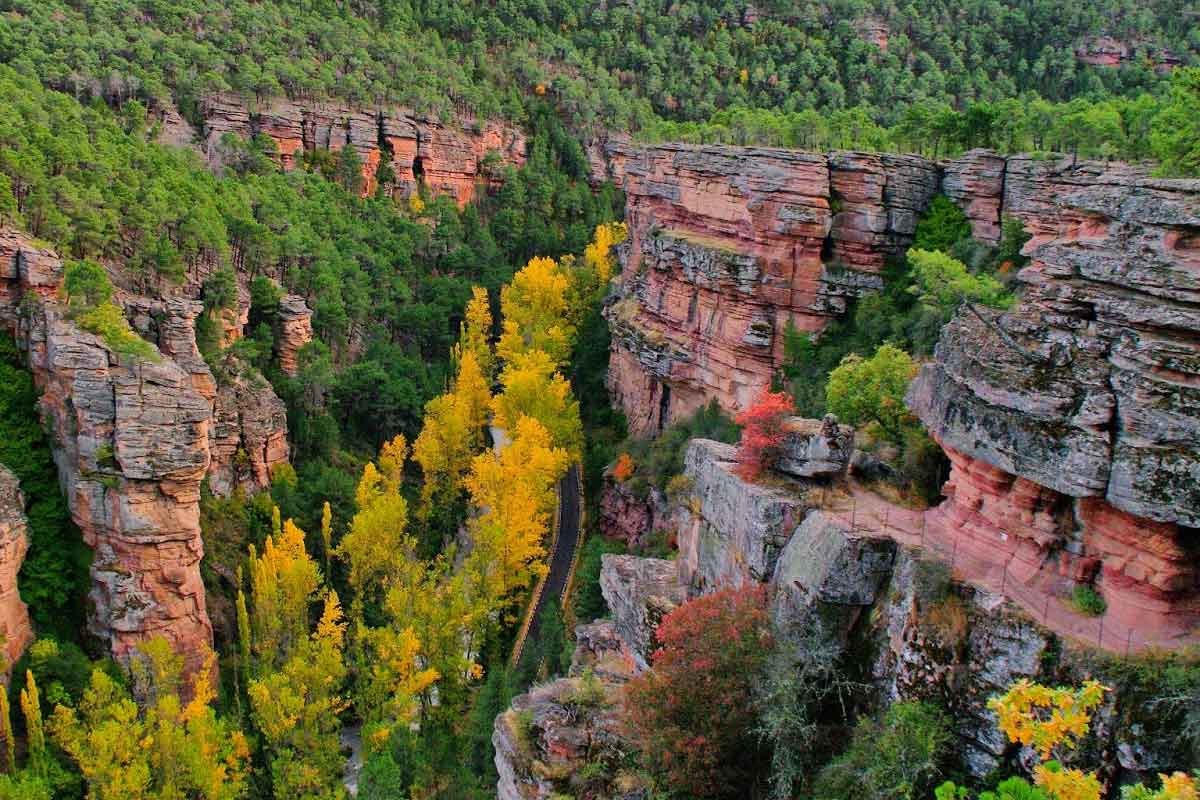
column 562, row 556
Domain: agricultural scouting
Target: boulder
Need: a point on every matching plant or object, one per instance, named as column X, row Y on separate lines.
column 639, row 592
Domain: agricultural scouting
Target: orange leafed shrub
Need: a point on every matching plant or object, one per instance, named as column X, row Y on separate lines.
column 624, row 468
column 763, row 433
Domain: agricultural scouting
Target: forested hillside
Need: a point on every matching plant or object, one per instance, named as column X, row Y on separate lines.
column 616, row 65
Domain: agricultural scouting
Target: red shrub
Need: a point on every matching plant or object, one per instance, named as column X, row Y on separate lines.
column 693, row 714
column 762, row 433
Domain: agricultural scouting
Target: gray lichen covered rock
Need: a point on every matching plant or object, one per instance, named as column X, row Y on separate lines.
column 730, row 531
column 639, row 592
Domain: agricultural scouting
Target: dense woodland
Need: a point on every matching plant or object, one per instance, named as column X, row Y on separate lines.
column 354, row 593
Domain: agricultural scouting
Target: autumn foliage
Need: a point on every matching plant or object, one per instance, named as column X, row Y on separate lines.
column 763, row 432
column 692, row 715
column 1052, row 721
column 624, row 468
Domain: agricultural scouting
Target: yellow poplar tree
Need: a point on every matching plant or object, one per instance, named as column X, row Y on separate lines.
column 168, row 749
column 35, row 731
column 533, row 389
column 452, row 432
column 374, row 544
column 516, row 495
column 475, row 333
column 296, row 710
column 283, row 581
column 6, row 731
column 534, row 307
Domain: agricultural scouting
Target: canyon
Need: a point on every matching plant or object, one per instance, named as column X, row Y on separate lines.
column 1070, row 421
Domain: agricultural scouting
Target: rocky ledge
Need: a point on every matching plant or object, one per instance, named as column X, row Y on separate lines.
column 1072, row 420
column 448, row 158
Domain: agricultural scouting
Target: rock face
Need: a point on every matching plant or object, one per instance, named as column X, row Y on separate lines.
column 448, row 159
column 627, row 516
column 728, row 247
column 956, row 646
column 730, row 532
column 1084, row 398
column 132, row 441
column 551, row 733
column 131, row 444
column 16, row 632
column 640, row 592
column 295, row 331
column 822, row 569
column 1082, row 403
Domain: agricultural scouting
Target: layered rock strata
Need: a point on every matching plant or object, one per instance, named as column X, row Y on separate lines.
column 1072, row 420
column 728, row 248
column 133, row 440
column 449, row 159
column 16, row 631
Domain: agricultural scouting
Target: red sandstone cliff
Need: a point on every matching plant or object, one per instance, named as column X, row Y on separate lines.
column 1072, row 421
column 132, row 441
column 16, row 632
column 1073, row 433
column 728, row 246
column 447, row 158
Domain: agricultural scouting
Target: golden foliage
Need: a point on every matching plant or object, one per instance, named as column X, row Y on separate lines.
column 516, row 494
column 296, row 710
column 168, row 749
column 373, row 546
column 532, row 388
column 475, row 333
column 1046, row 719
column 535, row 309
column 283, row 581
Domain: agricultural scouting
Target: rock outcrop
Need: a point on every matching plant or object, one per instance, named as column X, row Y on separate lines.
column 295, row 331
column 1072, row 420
column 130, row 441
column 729, row 247
column 133, row 440
column 730, row 532
column 639, row 592
column 551, row 733
column 815, row 448
column 1110, row 52
column 16, row 631
column 449, row 159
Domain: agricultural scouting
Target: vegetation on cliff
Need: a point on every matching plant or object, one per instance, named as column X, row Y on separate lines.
column 615, row 65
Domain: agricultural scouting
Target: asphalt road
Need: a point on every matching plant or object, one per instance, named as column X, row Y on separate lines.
column 564, row 548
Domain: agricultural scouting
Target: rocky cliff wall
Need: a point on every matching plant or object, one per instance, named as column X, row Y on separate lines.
column 133, row 440
column 728, row 247
column 16, row 631
column 902, row 618
column 1072, row 421
column 446, row 158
